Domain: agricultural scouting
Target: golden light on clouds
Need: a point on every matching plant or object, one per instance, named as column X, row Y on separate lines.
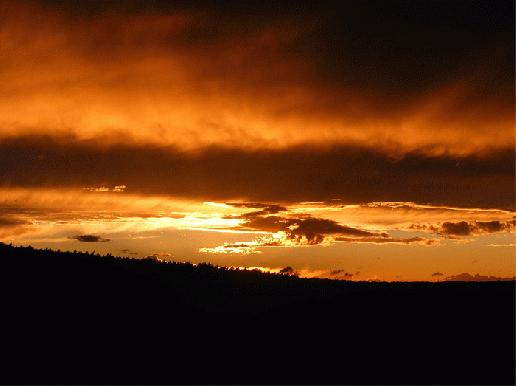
column 134, row 79
column 312, row 136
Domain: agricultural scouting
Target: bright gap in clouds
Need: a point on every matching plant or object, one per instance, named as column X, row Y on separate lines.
column 229, row 232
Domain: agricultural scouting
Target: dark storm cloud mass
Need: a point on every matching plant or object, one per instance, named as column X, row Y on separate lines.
column 89, row 238
column 394, row 45
column 353, row 174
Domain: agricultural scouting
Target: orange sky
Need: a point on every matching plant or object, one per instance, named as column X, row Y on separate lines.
column 326, row 138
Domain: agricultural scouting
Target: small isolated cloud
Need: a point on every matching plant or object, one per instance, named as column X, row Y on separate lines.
column 157, row 256
column 467, row 277
column 437, row 274
column 89, row 239
column 340, row 274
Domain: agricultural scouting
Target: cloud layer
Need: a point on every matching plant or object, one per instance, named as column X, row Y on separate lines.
column 354, row 175
column 197, row 77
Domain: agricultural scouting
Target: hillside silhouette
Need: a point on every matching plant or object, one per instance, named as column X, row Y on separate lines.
column 73, row 317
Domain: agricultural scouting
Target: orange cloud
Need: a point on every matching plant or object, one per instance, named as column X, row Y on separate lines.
column 191, row 81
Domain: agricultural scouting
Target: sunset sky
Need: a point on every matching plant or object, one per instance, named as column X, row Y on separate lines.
column 361, row 141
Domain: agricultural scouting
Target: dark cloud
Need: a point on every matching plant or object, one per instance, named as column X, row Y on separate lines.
column 280, row 176
column 340, row 274
column 463, row 228
column 391, row 45
column 307, row 230
column 267, row 209
column 467, row 277
column 437, row 274
column 490, row 226
column 12, row 226
column 89, row 239
column 12, row 222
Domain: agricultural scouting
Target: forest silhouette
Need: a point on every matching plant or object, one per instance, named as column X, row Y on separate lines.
column 74, row 317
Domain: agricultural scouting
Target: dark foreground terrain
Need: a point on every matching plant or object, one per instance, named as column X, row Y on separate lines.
column 80, row 318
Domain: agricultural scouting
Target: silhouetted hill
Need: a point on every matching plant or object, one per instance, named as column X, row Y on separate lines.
column 84, row 318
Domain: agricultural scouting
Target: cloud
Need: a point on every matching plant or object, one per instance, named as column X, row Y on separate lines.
column 467, row 277
column 243, row 248
column 268, row 209
column 197, row 78
column 305, row 230
column 340, row 274
column 118, row 188
column 7, row 222
column 11, row 226
column 463, row 228
column 389, row 240
column 89, row 239
column 300, row 173
column 157, row 256
column 437, row 274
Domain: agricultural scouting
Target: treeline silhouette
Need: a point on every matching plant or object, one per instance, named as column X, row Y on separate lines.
column 74, row 317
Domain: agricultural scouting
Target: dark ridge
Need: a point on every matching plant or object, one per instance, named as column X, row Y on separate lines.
column 72, row 318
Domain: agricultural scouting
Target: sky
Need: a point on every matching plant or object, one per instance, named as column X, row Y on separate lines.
column 368, row 140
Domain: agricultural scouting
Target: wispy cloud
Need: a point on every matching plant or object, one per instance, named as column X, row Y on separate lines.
column 118, row 188
column 390, row 240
